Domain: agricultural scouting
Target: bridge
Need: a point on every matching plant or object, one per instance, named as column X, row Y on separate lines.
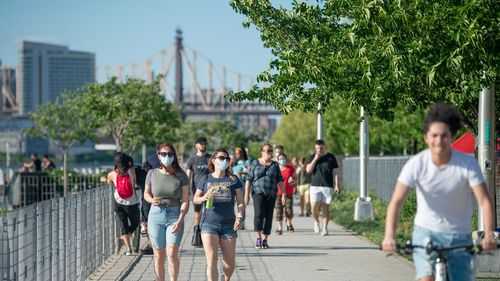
column 203, row 96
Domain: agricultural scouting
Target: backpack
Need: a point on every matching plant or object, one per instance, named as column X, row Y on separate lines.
column 124, row 186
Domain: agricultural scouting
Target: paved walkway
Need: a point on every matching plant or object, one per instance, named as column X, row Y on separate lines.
column 302, row 255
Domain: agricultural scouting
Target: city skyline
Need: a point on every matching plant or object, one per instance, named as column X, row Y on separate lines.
column 106, row 29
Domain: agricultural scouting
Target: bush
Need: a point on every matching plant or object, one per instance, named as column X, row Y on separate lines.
column 342, row 210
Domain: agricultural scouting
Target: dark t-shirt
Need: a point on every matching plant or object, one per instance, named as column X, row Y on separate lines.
column 322, row 174
column 37, row 165
column 199, row 167
column 224, row 198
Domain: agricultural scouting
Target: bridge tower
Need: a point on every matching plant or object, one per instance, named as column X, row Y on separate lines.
column 179, row 99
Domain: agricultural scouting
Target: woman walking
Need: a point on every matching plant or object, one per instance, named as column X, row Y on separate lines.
column 262, row 183
column 167, row 191
column 126, row 201
column 284, row 208
column 219, row 223
column 304, row 181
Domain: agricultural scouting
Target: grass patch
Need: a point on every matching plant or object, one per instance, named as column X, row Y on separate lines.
column 342, row 213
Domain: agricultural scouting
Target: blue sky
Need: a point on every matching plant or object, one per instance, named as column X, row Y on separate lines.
column 129, row 31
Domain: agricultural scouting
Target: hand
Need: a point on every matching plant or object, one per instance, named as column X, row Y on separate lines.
column 336, row 189
column 155, row 201
column 291, row 181
column 389, row 245
column 237, row 224
column 207, row 196
column 488, row 243
column 177, row 225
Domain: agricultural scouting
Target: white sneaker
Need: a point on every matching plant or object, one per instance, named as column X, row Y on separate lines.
column 316, row 227
column 325, row 231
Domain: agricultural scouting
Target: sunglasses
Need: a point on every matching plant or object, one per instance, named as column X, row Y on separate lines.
column 268, row 151
column 165, row 154
column 222, row 158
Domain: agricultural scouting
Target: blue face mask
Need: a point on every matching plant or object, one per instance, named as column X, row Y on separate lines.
column 166, row 160
column 221, row 165
column 282, row 162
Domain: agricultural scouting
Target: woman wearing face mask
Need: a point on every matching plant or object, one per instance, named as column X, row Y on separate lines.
column 219, row 223
column 285, row 205
column 168, row 192
column 263, row 181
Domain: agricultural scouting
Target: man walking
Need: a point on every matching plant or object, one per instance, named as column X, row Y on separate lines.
column 197, row 170
column 324, row 180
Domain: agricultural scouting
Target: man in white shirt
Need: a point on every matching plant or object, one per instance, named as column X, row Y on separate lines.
column 446, row 182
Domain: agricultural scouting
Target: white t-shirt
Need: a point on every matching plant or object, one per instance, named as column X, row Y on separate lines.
column 444, row 194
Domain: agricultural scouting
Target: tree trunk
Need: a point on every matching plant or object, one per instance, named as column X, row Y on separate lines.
column 65, row 171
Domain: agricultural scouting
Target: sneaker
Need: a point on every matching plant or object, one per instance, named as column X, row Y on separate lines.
column 325, row 231
column 290, row 228
column 258, row 243
column 264, row 244
column 316, row 227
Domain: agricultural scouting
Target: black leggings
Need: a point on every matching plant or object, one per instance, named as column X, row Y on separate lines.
column 264, row 209
column 128, row 217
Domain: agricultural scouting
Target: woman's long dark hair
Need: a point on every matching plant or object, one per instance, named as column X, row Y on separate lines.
column 175, row 164
column 121, row 163
column 211, row 166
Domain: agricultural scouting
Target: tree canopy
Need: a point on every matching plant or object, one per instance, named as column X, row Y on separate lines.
column 375, row 54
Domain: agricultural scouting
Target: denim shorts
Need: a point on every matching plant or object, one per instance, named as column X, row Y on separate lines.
column 160, row 223
column 460, row 262
column 224, row 231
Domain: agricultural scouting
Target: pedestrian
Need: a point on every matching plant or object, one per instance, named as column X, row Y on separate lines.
column 284, row 208
column 240, row 164
column 278, row 150
column 47, row 164
column 126, row 201
column 35, row 165
column 219, row 223
column 446, row 182
column 304, row 182
column 197, row 170
column 263, row 181
column 324, row 180
column 167, row 190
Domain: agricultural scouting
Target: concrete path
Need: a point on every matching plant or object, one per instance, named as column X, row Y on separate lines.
column 299, row 256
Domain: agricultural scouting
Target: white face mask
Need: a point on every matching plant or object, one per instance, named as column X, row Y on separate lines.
column 221, row 165
column 167, row 160
column 282, row 162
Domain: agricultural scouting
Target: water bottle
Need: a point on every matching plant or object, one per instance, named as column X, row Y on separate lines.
column 210, row 202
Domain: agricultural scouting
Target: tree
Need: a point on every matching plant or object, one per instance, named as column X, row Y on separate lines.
column 297, row 132
column 63, row 123
column 375, row 54
column 132, row 113
column 219, row 133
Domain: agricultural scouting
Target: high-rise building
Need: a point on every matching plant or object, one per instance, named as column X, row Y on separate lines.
column 8, row 102
column 45, row 71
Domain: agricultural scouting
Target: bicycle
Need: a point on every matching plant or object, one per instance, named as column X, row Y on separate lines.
column 441, row 266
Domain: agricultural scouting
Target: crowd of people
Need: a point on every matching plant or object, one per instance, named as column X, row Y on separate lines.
column 222, row 185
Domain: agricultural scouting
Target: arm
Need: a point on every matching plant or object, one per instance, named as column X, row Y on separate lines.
column 391, row 219
column 199, row 197
column 110, row 177
column 336, row 178
column 310, row 166
column 184, row 209
column 248, row 191
column 484, row 202
column 241, row 209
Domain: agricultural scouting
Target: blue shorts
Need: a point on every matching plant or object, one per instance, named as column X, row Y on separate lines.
column 224, row 231
column 160, row 223
column 460, row 262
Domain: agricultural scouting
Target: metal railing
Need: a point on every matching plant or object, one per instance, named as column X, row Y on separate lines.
column 27, row 188
column 382, row 174
column 58, row 239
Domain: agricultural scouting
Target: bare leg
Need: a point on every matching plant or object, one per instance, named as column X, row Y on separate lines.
column 210, row 245
column 228, row 247
column 197, row 217
column 173, row 262
column 302, row 203
column 315, row 210
column 126, row 240
column 326, row 214
column 159, row 261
